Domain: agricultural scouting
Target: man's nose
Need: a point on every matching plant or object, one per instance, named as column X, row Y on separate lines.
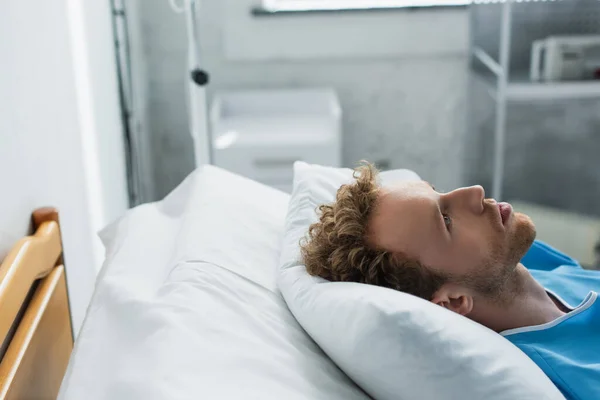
column 471, row 197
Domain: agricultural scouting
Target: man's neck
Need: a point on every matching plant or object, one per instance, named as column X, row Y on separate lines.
column 527, row 306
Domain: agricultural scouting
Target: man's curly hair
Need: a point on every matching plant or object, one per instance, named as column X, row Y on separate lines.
column 338, row 247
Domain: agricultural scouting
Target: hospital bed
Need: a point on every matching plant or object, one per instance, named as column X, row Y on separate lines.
column 189, row 305
column 186, row 305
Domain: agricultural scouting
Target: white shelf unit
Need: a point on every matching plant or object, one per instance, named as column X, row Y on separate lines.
column 506, row 86
column 520, row 88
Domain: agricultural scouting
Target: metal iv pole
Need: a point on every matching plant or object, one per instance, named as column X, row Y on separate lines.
column 197, row 81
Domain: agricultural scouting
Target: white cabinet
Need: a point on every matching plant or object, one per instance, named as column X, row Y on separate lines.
column 259, row 134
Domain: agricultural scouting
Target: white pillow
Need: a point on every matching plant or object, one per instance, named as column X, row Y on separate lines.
column 392, row 344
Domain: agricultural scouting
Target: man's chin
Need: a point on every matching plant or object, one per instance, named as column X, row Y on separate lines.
column 523, row 234
column 526, row 223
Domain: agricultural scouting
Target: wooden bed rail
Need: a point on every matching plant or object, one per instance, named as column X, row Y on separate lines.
column 33, row 257
column 35, row 325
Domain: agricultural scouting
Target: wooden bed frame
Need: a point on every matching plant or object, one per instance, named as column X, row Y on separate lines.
column 35, row 320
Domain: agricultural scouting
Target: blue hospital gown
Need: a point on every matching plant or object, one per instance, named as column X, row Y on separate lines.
column 568, row 348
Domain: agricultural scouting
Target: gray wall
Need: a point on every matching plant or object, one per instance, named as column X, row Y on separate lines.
column 402, row 84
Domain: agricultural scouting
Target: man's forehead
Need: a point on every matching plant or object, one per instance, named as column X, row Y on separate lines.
column 401, row 222
column 408, row 189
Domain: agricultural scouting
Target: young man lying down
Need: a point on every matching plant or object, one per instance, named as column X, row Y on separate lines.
column 473, row 256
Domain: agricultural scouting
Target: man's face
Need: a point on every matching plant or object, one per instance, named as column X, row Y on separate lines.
column 460, row 234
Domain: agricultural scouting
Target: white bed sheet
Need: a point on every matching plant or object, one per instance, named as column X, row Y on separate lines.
column 187, row 307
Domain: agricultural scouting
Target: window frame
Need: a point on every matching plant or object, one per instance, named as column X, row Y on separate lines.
column 270, row 7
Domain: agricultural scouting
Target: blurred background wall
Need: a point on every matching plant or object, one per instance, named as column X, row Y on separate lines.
column 401, row 77
column 411, row 95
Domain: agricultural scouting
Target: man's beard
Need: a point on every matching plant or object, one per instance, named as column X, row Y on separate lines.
column 498, row 280
column 521, row 239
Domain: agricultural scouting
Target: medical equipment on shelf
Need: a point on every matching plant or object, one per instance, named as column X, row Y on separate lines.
column 259, row 134
column 197, row 81
column 560, row 58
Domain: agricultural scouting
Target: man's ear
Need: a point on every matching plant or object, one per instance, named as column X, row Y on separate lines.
column 455, row 298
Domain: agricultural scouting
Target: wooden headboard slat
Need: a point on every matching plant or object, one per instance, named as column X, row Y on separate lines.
column 34, row 365
column 32, row 258
column 36, row 336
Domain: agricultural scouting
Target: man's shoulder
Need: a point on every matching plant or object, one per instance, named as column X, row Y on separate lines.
column 567, row 350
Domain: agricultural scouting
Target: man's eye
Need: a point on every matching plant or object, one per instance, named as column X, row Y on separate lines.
column 447, row 221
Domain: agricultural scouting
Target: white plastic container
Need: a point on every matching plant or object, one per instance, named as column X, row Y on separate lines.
column 259, row 134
